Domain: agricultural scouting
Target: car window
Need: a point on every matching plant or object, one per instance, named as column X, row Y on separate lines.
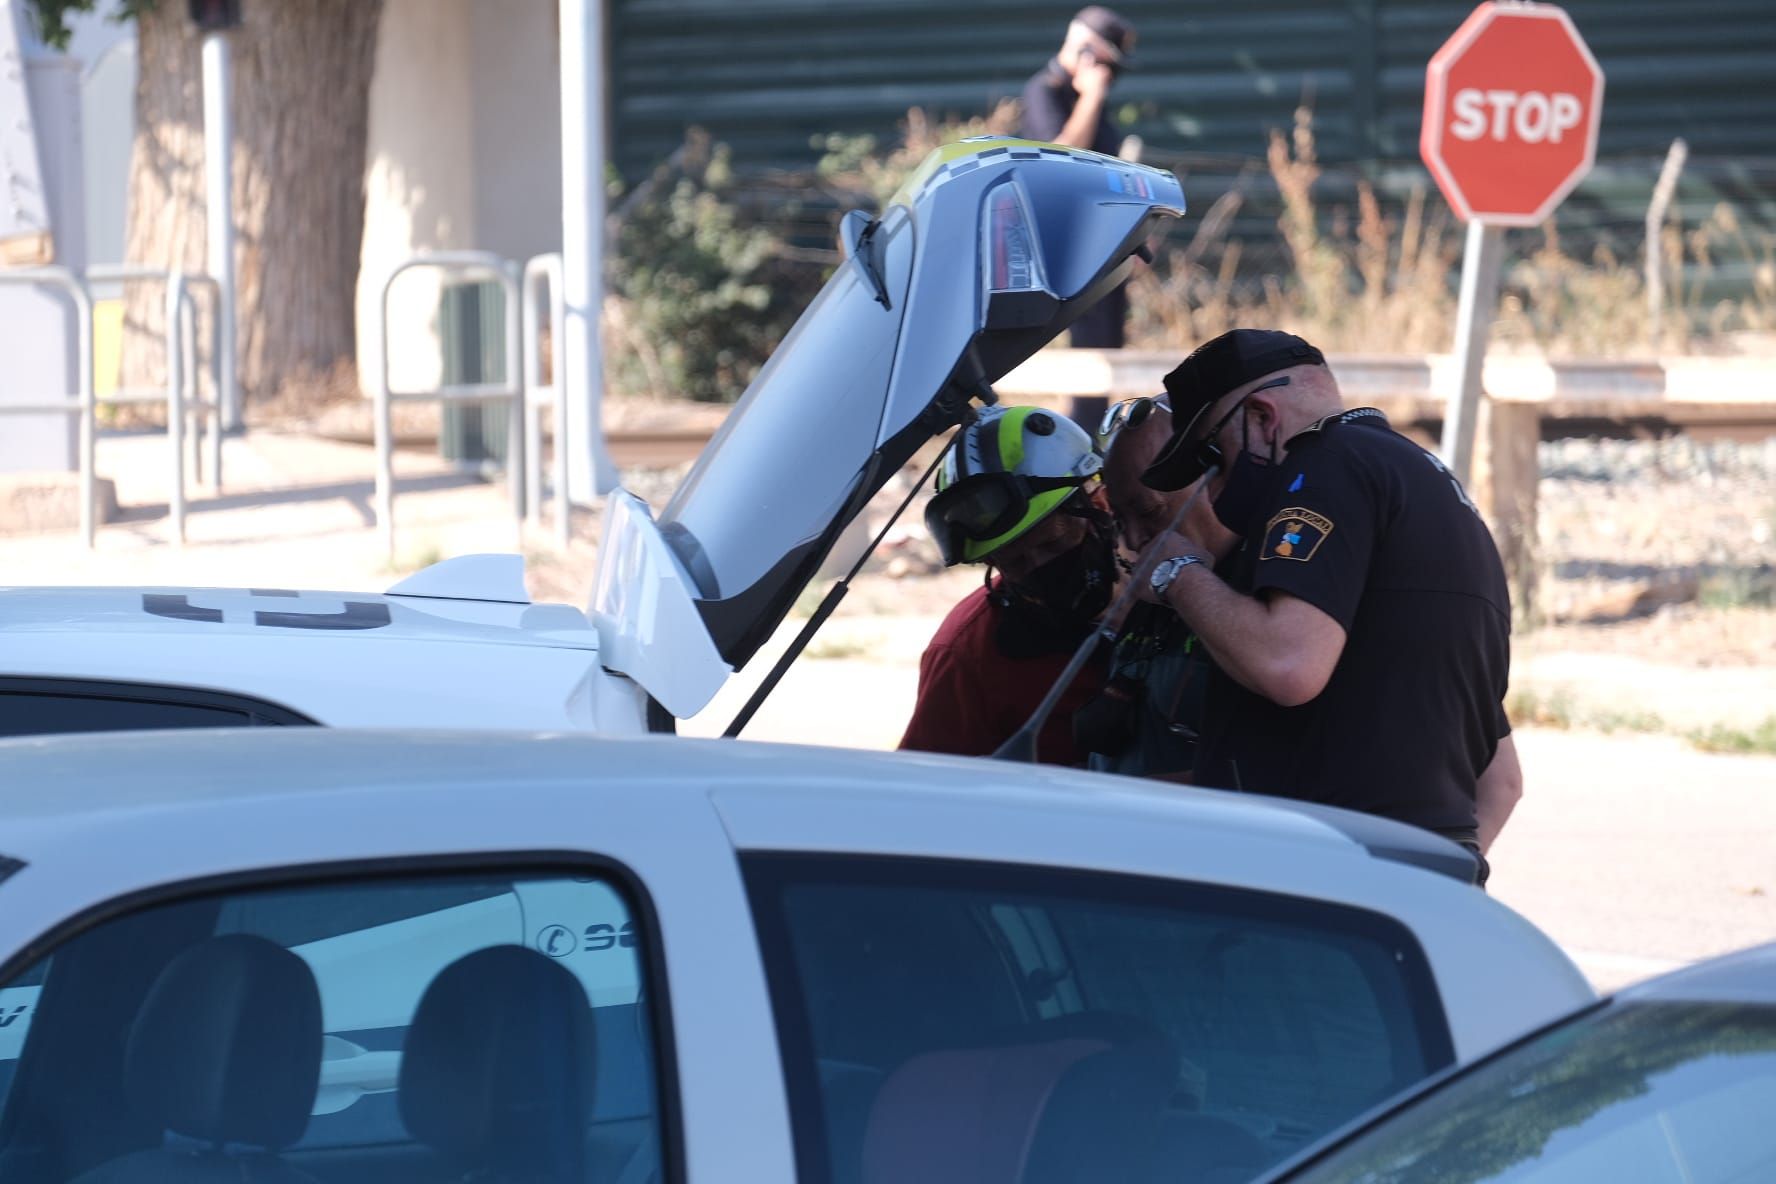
column 452, row 1015
column 1099, row 1025
column 1649, row 1093
column 41, row 707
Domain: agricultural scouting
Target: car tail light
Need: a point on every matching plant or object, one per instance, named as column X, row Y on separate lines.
column 1016, row 292
column 1012, row 262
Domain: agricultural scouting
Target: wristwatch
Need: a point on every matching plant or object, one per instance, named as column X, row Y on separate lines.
column 1168, row 570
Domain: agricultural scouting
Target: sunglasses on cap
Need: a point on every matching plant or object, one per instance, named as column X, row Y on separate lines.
column 1206, row 454
column 1130, row 413
column 984, row 506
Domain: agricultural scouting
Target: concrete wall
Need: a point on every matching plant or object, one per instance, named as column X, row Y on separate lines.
column 108, row 117
column 419, row 182
column 106, row 51
column 464, row 152
column 37, row 326
column 517, row 129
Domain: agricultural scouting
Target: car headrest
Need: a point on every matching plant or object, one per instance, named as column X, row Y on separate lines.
column 1072, row 1108
column 967, row 1114
column 226, row 1046
column 497, row 1067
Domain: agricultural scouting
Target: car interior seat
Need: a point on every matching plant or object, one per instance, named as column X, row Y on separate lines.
column 224, row 1052
column 1060, row 1105
column 497, row 1070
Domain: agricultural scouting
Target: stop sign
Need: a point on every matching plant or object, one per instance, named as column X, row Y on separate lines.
column 1512, row 103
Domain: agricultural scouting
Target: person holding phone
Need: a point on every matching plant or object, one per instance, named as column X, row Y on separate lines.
column 1068, row 102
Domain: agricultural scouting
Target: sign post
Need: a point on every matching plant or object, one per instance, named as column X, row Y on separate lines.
column 1512, row 104
column 215, row 18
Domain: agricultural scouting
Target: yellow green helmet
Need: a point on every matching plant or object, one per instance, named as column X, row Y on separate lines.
column 1005, row 472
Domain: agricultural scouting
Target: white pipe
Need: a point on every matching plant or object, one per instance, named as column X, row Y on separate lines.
column 175, row 394
column 517, row 459
column 558, row 383
column 590, row 471
column 89, row 506
column 219, row 218
column 546, row 271
column 531, row 331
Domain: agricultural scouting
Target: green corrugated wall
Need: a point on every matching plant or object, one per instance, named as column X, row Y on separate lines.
column 765, row 76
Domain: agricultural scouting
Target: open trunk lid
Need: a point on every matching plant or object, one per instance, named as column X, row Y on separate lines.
column 987, row 253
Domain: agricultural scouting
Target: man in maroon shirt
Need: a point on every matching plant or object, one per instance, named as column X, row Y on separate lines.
column 1019, row 492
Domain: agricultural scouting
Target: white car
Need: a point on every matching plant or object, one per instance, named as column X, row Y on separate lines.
column 457, row 645
column 308, row 955
column 991, row 250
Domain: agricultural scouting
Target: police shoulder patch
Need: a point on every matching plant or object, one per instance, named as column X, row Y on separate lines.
column 1295, row 534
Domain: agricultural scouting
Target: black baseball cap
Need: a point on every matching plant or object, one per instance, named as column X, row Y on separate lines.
column 1229, row 361
column 1112, row 26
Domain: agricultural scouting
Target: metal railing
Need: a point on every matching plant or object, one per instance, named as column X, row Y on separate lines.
column 183, row 389
column 182, row 393
column 546, row 268
column 462, row 265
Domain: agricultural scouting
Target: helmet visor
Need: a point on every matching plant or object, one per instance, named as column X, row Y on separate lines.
column 984, row 506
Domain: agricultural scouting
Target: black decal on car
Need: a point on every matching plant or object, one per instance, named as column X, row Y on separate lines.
column 358, row 614
column 178, row 608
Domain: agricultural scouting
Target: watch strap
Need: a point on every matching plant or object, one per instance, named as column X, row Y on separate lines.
column 1167, row 571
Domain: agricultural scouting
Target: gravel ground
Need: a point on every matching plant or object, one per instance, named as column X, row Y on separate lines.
column 1626, row 526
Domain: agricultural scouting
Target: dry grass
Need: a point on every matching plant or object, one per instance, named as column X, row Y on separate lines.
column 1383, row 286
column 1388, row 283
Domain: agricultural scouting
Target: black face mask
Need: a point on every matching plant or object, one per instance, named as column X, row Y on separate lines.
column 1247, row 491
column 1052, row 608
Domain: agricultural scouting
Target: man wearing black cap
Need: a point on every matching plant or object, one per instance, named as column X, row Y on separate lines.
column 1067, row 102
column 1361, row 630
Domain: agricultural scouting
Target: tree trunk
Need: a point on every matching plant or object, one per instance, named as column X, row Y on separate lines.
column 301, row 109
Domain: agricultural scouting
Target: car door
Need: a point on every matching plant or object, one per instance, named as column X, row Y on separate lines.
column 469, row 1016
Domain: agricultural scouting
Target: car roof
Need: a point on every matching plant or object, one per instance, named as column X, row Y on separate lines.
column 166, row 773
column 128, row 770
column 1745, row 976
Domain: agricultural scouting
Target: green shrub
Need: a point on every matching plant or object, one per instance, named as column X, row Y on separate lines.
column 699, row 295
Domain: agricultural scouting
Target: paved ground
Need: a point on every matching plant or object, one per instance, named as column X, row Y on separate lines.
column 1636, row 852
column 295, row 512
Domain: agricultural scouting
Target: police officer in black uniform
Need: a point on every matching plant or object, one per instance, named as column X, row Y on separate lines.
column 1361, row 630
